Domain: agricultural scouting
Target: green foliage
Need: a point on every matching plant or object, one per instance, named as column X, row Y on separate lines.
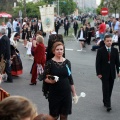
column 67, row 7
column 99, row 7
column 32, row 9
column 113, row 6
column 6, row 5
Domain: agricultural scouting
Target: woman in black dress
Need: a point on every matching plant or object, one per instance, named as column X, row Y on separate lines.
column 25, row 34
column 16, row 66
column 59, row 97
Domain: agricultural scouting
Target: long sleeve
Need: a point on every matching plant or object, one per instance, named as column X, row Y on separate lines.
column 70, row 77
column 47, row 69
column 45, row 87
column 98, row 62
column 117, row 61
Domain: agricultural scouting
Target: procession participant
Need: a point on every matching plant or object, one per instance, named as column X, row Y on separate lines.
column 81, row 37
column 16, row 66
column 107, row 63
column 59, row 92
column 5, row 51
column 75, row 26
column 39, row 58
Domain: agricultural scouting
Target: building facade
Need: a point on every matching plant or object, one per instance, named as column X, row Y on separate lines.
column 86, row 4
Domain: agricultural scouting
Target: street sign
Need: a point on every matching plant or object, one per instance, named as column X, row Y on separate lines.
column 104, row 11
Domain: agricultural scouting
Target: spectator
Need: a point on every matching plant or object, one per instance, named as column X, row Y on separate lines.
column 115, row 38
column 17, row 108
column 94, row 47
column 102, row 30
column 18, row 28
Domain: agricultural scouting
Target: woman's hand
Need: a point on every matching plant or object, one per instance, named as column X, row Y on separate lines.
column 49, row 80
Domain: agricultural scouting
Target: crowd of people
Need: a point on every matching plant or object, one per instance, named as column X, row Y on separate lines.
column 56, row 66
column 50, row 62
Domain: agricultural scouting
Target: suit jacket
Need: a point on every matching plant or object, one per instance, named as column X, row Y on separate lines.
column 57, row 25
column 5, row 47
column 89, row 32
column 66, row 26
column 75, row 25
column 103, row 67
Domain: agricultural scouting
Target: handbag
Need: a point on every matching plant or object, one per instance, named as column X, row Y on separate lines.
column 40, row 72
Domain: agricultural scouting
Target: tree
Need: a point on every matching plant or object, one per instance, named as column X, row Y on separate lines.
column 67, row 7
column 113, row 5
column 32, row 9
column 7, row 5
column 99, row 7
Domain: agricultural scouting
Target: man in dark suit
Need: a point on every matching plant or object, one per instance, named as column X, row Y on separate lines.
column 5, row 51
column 107, row 63
column 89, row 34
column 66, row 27
column 57, row 26
column 75, row 26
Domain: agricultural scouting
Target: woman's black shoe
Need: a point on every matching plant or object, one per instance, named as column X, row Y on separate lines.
column 32, row 84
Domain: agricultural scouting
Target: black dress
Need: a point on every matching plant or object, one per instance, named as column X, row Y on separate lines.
column 16, row 66
column 59, row 97
column 24, row 33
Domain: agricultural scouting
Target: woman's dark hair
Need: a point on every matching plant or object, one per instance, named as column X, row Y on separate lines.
column 17, row 34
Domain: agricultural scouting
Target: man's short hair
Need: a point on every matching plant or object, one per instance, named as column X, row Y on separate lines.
column 2, row 31
column 107, row 36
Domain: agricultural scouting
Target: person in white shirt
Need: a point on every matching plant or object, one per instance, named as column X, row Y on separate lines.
column 15, row 25
column 115, row 38
column 9, row 27
column 97, row 33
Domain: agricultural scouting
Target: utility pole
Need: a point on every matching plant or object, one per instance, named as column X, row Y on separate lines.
column 24, row 8
column 58, row 7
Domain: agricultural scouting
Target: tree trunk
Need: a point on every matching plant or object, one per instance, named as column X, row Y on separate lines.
column 115, row 12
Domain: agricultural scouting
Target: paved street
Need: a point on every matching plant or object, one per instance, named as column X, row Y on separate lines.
column 83, row 70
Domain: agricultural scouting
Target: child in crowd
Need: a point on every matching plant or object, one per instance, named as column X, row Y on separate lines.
column 29, row 46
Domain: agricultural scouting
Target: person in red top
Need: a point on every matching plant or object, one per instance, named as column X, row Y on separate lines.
column 34, row 46
column 39, row 58
column 102, row 30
